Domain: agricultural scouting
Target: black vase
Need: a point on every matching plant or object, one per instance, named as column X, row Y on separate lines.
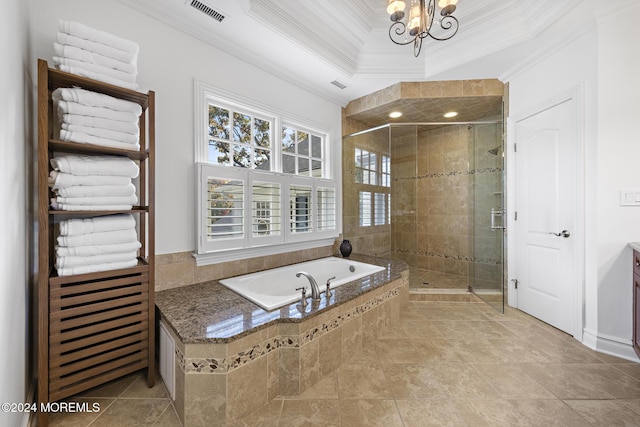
column 345, row 248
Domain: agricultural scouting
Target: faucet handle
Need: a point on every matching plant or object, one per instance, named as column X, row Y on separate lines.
column 303, row 297
column 328, row 292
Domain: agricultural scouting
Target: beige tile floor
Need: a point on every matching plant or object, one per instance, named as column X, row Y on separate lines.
column 444, row 364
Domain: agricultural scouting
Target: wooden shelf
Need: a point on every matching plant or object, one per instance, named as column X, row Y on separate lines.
column 142, row 266
column 94, row 327
column 88, row 214
column 75, row 148
column 59, row 78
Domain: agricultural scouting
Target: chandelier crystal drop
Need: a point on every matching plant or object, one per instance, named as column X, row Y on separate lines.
column 418, row 25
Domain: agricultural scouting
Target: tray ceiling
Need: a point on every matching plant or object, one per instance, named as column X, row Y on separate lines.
column 312, row 43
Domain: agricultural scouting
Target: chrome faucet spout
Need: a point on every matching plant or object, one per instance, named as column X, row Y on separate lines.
column 315, row 291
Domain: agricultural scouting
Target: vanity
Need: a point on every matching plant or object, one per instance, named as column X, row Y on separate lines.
column 636, row 297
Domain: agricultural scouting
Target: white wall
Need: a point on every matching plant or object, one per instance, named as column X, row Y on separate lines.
column 606, row 64
column 168, row 63
column 15, row 138
column 618, row 167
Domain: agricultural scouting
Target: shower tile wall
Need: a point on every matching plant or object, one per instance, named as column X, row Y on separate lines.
column 430, row 184
column 369, row 240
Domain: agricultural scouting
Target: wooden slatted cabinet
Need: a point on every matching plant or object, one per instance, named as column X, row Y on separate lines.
column 93, row 328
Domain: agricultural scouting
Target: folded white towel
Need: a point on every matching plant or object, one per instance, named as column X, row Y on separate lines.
column 83, row 138
column 58, row 180
column 92, row 250
column 95, row 165
column 102, row 49
column 75, row 261
column 99, row 224
column 98, row 122
column 98, row 200
column 83, row 72
column 84, row 269
column 67, row 107
column 72, row 52
column 97, row 191
column 66, row 207
column 84, row 32
column 113, row 135
column 95, row 99
column 103, row 238
column 95, row 68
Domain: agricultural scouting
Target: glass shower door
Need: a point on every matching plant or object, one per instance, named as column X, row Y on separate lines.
column 486, row 264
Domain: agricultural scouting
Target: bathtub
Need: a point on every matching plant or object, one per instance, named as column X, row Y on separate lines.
column 271, row 289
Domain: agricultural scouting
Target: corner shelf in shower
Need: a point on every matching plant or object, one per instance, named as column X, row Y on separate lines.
column 94, row 327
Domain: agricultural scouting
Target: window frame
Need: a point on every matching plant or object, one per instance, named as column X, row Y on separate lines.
column 208, row 253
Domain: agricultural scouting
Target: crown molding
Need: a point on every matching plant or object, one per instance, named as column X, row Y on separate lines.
column 185, row 25
column 338, row 52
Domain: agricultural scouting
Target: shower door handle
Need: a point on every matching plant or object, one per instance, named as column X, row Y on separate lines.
column 494, row 213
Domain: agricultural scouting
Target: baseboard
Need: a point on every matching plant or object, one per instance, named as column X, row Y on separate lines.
column 607, row 344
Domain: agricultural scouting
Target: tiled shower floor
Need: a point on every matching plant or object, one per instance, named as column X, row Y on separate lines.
column 427, row 279
column 458, row 364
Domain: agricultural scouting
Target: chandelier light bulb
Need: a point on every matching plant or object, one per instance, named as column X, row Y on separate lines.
column 447, row 6
column 395, row 9
column 414, row 21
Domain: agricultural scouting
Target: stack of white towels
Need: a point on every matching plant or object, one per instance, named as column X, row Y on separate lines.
column 94, row 118
column 93, row 183
column 96, row 244
column 95, row 54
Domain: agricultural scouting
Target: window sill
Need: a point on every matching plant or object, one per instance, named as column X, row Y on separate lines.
column 243, row 254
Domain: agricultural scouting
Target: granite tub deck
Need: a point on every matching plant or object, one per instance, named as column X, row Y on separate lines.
column 232, row 357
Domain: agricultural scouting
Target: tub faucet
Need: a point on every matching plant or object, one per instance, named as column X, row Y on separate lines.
column 315, row 291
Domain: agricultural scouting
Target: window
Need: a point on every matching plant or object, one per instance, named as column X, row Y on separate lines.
column 301, row 152
column 365, row 208
column 373, row 174
column 326, row 208
column 266, row 209
column 262, row 181
column 300, row 209
column 240, row 139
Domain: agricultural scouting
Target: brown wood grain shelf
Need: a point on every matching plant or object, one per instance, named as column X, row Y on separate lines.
column 59, row 78
column 94, row 327
column 76, row 148
column 87, row 214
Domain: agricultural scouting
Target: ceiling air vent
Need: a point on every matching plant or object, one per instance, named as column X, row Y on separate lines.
column 207, row 10
column 338, row 84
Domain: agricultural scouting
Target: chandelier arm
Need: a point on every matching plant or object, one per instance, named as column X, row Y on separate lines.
column 417, row 46
column 447, row 23
column 399, row 29
column 400, row 34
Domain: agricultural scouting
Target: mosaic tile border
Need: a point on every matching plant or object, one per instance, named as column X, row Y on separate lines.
column 449, row 256
column 452, row 173
column 223, row 366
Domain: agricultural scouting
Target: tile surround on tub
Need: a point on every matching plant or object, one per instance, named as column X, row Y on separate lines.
column 284, row 355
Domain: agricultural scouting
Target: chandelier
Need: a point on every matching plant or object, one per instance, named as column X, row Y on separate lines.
column 419, row 24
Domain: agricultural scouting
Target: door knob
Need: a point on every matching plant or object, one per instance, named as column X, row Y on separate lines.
column 563, row 233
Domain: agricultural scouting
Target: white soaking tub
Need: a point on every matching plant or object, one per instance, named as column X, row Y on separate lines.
column 271, row 289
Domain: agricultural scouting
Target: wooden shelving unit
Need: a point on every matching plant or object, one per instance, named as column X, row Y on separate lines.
column 93, row 328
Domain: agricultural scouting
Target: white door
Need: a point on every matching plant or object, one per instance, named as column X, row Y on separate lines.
column 547, row 196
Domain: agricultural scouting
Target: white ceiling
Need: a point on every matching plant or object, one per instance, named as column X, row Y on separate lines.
column 313, row 42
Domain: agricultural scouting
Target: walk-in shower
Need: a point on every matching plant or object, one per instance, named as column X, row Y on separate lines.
column 430, row 194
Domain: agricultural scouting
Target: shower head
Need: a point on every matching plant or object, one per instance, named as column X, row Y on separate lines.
column 494, row 151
